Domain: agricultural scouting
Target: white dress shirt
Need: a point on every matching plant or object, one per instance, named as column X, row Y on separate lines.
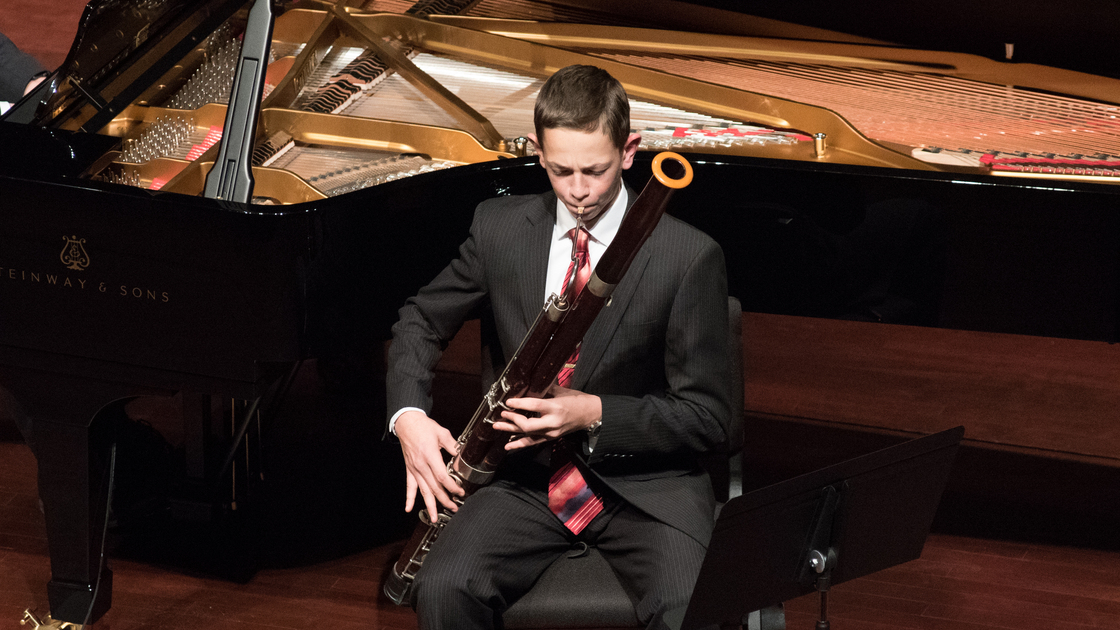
column 602, row 233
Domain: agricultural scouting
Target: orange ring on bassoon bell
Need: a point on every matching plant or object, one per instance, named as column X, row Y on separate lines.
column 665, row 179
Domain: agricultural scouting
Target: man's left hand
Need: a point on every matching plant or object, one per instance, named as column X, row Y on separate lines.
column 564, row 411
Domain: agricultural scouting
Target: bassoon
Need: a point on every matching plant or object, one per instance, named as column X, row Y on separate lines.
column 561, row 324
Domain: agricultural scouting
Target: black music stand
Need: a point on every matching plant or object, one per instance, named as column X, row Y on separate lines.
column 826, row 527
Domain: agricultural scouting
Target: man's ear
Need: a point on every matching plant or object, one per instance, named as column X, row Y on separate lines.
column 630, row 149
column 537, row 148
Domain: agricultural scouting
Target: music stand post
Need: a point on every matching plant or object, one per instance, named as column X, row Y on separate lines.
column 818, row 561
column 821, row 529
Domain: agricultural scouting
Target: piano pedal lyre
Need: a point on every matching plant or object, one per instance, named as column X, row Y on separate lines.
column 47, row 623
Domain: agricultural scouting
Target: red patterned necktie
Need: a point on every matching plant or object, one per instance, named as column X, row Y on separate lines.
column 581, row 267
column 569, row 496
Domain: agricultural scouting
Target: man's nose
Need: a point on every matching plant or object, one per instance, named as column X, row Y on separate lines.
column 580, row 189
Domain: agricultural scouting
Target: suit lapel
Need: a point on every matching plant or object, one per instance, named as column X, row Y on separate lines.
column 535, row 243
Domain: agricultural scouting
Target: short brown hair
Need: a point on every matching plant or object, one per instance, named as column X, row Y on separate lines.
column 586, row 98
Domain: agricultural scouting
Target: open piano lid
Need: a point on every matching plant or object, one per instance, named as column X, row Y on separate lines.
column 121, row 47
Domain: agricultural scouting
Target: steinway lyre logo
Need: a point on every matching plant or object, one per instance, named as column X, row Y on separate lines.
column 73, row 255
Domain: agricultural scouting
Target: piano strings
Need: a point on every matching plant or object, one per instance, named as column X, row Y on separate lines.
column 506, row 99
column 924, row 111
column 337, row 171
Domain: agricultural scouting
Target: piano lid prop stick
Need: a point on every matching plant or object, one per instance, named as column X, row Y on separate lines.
column 231, row 178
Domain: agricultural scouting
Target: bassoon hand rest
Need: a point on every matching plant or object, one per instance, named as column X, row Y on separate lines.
column 559, row 327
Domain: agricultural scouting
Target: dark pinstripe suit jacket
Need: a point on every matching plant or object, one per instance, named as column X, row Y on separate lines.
column 657, row 355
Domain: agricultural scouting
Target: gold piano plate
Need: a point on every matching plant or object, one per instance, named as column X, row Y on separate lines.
column 531, row 59
column 330, row 152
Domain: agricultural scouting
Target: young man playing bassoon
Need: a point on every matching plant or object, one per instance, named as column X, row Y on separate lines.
column 648, row 396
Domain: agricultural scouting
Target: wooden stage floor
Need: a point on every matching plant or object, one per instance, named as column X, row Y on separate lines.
column 960, row 583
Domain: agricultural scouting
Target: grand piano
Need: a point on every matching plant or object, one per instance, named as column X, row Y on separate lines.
column 844, row 176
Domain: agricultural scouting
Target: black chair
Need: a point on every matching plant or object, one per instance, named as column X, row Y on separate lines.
column 585, row 577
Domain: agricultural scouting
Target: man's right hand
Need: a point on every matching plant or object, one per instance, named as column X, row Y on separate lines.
column 422, row 439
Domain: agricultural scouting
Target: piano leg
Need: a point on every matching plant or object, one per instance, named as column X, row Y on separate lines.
column 75, row 486
column 72, row 432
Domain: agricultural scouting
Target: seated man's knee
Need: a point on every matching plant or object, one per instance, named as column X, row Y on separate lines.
column 436, row 583
column 442, row 599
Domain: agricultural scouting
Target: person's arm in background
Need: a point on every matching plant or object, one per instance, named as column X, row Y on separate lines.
column 19, row 72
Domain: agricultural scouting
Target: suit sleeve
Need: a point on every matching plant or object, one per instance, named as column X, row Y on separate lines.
column 429, row 321
column 16, row 69
column 691, row 416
